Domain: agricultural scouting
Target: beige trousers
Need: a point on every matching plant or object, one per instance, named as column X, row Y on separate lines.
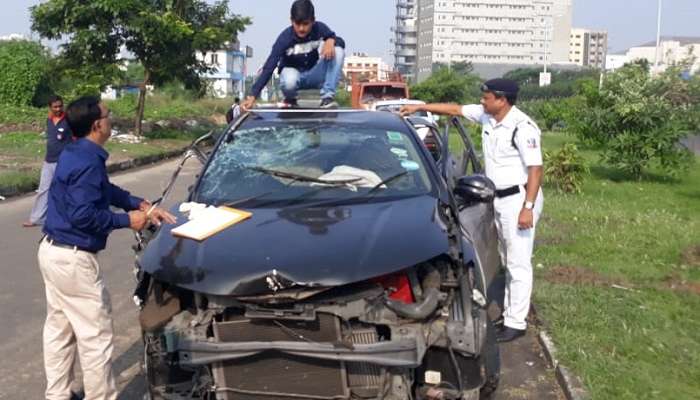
column 78, row 317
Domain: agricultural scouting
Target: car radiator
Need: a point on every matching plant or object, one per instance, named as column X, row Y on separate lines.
column 275, row 375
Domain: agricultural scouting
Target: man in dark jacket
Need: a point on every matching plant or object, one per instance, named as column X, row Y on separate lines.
column 308, row 55
column 58, row 134
column 78, row 222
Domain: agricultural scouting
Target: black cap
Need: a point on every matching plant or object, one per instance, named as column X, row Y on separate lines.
column 500, row 85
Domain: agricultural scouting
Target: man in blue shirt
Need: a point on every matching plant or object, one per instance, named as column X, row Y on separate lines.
column 308, row 55
column 78, row 222
column 58, row 135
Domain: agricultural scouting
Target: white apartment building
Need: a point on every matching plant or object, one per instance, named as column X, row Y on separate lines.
column 227, row 78
column 405, row 38
column 588, row 48
column 517, row 32
column 672, row 50
column 360, row 66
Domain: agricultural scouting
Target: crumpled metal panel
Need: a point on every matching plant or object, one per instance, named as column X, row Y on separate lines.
column 277, row 249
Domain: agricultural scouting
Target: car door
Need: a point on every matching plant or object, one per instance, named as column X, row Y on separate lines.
column 477, row 220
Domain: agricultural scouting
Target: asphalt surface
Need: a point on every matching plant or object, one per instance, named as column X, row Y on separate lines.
column 525, row 374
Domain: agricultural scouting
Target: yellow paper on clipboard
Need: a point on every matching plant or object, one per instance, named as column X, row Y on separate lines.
column 210, row 222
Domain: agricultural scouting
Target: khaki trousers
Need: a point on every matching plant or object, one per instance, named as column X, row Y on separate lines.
column 78, row 317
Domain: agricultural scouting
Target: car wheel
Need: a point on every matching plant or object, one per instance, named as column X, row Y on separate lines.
column 492, row 363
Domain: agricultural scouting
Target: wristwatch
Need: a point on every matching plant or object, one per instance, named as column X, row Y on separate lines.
column 529, row 205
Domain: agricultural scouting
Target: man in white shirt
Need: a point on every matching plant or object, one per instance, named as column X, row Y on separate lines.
column 513, row 161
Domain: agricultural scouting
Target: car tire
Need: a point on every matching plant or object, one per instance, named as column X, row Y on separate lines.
column 492, row 363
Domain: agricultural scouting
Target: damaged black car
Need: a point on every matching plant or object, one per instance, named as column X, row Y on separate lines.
column 361, row 274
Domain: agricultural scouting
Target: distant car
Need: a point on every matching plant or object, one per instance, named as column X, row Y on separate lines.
column 395, row 105
column 362, row 273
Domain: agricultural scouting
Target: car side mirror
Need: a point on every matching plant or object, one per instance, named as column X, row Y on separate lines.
column 474, row 189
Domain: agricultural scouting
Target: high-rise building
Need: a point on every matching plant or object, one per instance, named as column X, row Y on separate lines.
column 405, row 39
column 517, row 32
column 588, row 48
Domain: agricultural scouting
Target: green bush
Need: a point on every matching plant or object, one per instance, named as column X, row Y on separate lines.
column 343, row 98
column 162, row 105
column 564, row 82
column 23, row 70
column 565, row 169
column 638, row 120
column 10, row 114
column 447, row 86
column 548, row 114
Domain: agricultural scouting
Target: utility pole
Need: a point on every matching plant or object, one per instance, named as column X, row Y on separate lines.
column 545, row 77
column 658, row 39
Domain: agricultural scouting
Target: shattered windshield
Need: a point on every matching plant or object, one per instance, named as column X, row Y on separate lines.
column 313, row 161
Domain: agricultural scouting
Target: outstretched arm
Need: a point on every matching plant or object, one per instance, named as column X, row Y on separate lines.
column 435, row 108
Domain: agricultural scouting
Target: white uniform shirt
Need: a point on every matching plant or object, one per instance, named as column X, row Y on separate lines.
column 505, row 164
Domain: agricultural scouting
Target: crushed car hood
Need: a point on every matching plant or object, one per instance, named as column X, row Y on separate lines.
column 277, row 249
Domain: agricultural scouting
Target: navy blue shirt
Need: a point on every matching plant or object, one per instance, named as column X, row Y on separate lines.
column 80, row 197
column 58, row 135
column 292, row 51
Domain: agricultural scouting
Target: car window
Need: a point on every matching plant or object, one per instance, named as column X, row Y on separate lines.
column 466, row 154
column 262, row 162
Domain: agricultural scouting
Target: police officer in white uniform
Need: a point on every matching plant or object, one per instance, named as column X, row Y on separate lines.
column 513, row 160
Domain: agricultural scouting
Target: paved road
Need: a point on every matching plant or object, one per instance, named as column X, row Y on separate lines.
column 22, row 306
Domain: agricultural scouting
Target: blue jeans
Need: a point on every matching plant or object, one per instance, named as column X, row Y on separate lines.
column 324, row 75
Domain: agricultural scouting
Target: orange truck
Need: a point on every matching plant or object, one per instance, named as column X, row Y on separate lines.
column 366, row 93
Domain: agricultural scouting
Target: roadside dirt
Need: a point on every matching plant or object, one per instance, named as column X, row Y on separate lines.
column 570, row 275
column 691, row 256
column 678, row 284
column 33, row 127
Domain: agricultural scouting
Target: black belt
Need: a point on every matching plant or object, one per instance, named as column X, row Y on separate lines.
column 53, row 242
column 509, row 191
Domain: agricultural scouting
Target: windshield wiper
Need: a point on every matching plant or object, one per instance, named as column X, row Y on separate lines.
column 295, row 178
column 369, row 193
column 387, row 180
column 302, row 178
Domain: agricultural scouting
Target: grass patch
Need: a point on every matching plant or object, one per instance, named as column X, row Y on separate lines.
column 161, row 107
column 625, row 344
column 13, row 182
column 22, row 153
column 158, row 107
column 10, row 114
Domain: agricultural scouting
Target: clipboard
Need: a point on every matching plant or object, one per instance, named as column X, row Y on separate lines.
column 210, row 222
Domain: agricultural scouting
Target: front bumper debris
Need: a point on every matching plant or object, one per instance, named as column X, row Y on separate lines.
column 403, row 352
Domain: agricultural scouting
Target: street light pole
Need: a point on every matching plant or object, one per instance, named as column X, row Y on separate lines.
column 658, row 39
column 546, row 46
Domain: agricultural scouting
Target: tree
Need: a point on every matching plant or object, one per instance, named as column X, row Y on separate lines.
column 445, row 85
column 564, row 82
column 460, row 67
column 23, row 72
column 163, row 35
column 638, row 119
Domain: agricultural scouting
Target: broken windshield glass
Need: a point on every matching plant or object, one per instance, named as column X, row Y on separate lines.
column 289, row 160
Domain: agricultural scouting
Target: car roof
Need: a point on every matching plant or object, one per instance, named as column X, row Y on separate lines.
column 398, row 101
column 376, row 119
